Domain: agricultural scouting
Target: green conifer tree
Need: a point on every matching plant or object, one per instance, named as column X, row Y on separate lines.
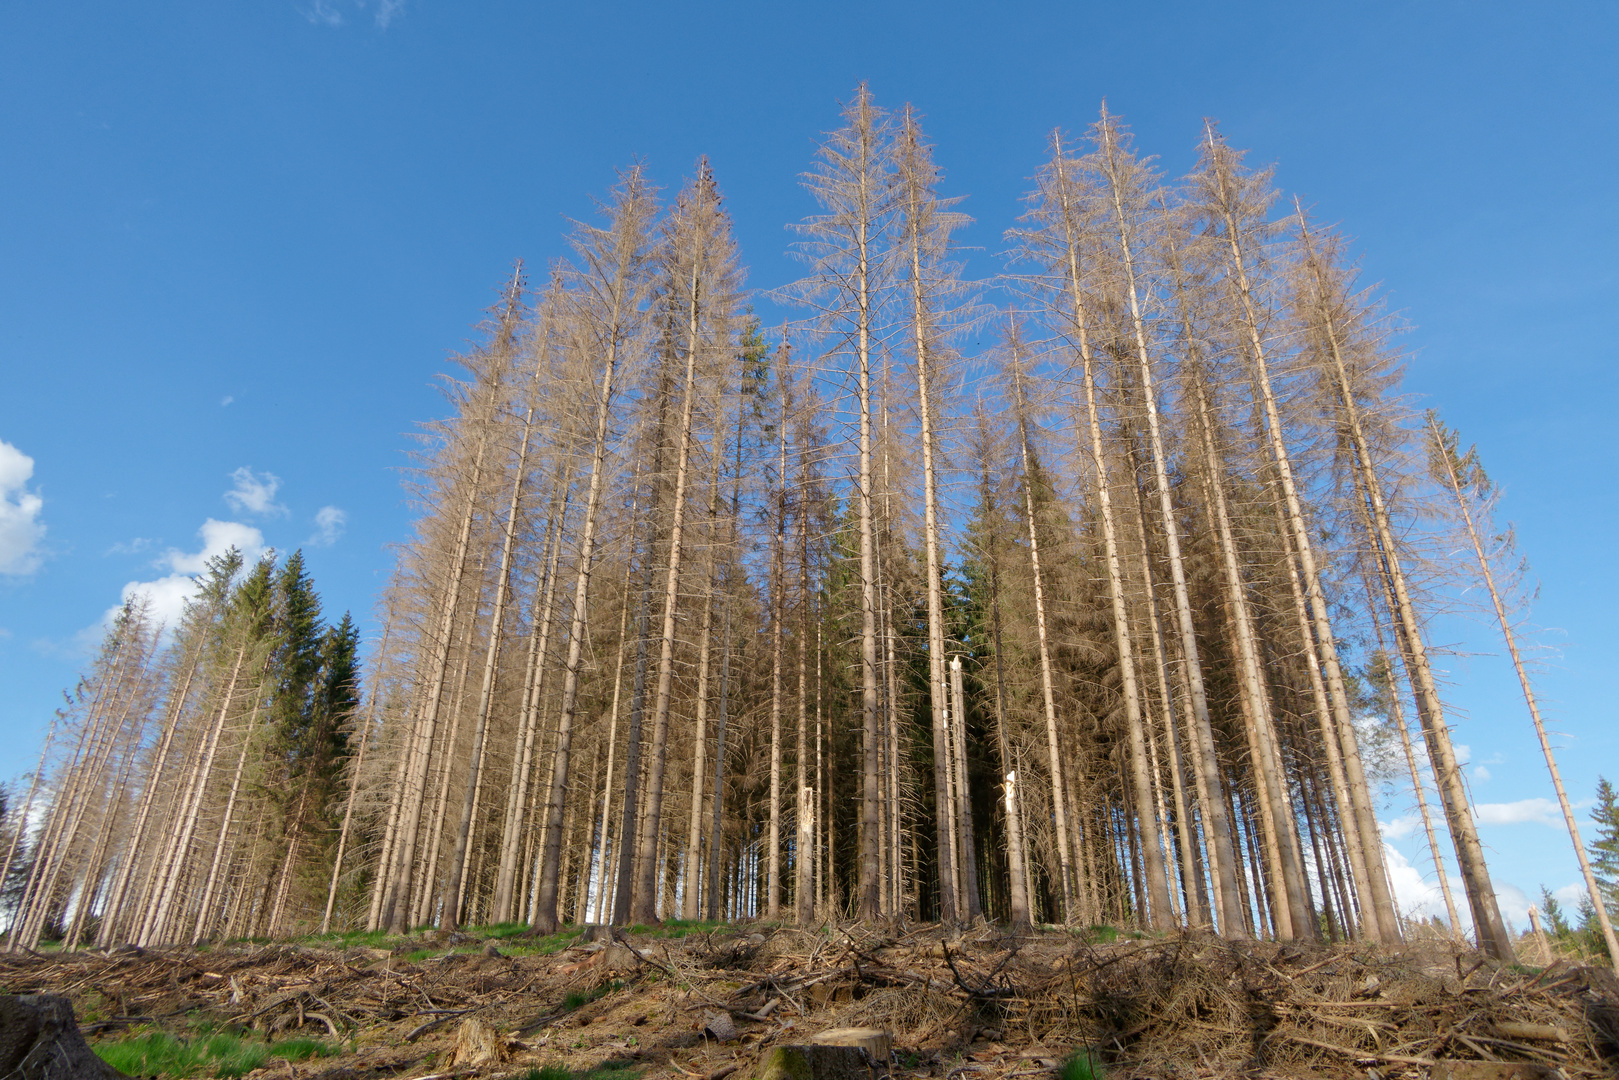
column 1604, row 846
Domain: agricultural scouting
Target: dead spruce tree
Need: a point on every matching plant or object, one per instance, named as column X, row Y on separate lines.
column 700, row 621
column 846, row 287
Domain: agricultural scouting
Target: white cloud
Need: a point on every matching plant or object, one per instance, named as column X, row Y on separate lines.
column 1569, row 896
column 254, row 493
column 1418, row 895
column 226, row 400
column 20, row 528
column 387, row 10
column 329, row 525
column 1514, row 813
column 169, row 594
column 1399, row 827
column 1480, row 773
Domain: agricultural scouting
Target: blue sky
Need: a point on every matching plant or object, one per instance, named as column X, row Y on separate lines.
column 238, row 240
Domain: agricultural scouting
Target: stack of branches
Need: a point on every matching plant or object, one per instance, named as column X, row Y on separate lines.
column 1184, row 1005
column 1195, row 1004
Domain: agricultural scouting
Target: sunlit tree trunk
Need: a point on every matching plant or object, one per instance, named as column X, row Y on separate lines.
column 1443, row 447
column 615, row 258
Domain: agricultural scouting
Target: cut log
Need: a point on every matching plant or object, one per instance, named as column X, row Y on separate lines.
column 839, row 1054
column 1515, row 1029
column 39, row 1040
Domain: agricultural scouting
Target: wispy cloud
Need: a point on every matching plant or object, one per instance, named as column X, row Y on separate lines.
column 254, row 493
column 329, row 525
column 226, row 400
column 324, row 13
column 132, row 547
column 332, row 12
column 21, row 530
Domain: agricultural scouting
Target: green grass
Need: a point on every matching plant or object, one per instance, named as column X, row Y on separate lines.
column 1080, row 1065
column 580, row 998
column 543, row 946
column 217, row 1055
column 675, row 928
column 349, row 939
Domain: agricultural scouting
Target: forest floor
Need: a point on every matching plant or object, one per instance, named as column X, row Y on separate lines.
column 704, row 1001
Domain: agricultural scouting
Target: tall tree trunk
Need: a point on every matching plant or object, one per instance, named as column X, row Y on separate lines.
column 1048, row 696
column 1157, row 882
column 626, row 252
column 450, row 917
column 778, row 612
column 535, row 667
column 1167, row 519
column 1487, row 921
column 1443, row 449
column 1381, row 906
column 690, row 908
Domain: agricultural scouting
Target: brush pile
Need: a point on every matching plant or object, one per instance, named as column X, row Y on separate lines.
column 709, row 1004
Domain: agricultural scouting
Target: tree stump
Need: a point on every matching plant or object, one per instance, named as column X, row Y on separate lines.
column 40, row 1040
column 838, row 1054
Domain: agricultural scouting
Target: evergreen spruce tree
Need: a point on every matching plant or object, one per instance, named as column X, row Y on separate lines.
column 1604, row 846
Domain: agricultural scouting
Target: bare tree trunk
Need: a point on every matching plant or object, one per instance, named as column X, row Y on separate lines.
column 1417, row 786
column 1183, row 608
column 690, row 908
column 528, row 727
column 972, row 905
column 717, row 835
column 625, row 251
column 183, row 835
column 917, row 176
column 706, row 230
column 224, row 828
column 1157, row 882
column 1047, row 692
column 1015, row 855
column 804, row 817
column 1442, row 448
column 1487, row 921
column 397, row 905
column 450, row 917
column 778, row 611
column 1381, row 906
column 27, row 811
column 870, row 820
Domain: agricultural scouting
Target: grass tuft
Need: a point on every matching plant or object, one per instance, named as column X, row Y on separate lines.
column 1080, row 1065
column 217, row 1055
